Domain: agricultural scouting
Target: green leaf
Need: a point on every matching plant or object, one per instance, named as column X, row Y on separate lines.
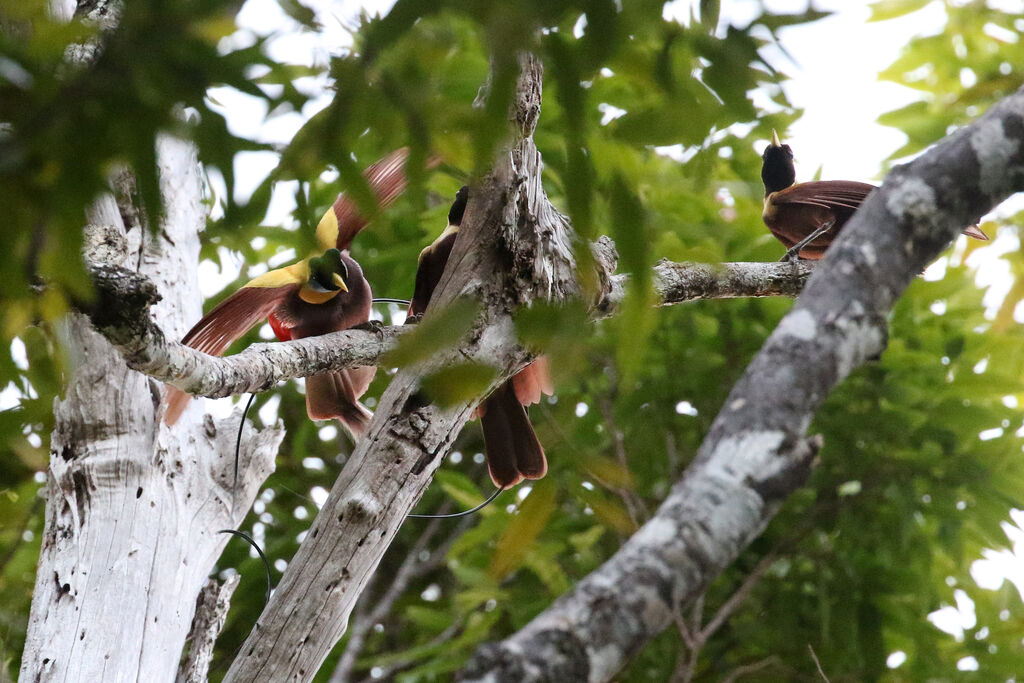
column 709, row 11
column 890, row 9
column 523, row 530
column 437, row 330
column 458, row 384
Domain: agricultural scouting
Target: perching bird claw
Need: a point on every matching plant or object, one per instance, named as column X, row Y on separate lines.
column 371, row 325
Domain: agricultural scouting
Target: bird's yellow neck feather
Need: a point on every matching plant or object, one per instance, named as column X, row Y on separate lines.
column 312, row 296
column 327, row 230
column 295, row 274
column 450, row 230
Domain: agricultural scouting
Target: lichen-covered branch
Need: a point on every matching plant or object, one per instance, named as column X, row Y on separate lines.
column 120, row 314
column 124, row 296
column 678, row 283
column 756, row 453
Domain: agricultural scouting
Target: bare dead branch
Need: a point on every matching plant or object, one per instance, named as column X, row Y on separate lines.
column 736, row 599
column 211, row 613
column 817, row 663
column 124, row 296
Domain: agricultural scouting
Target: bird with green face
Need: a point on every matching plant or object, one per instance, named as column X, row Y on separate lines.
column 318, row 295
column 511, row 446
column 806, row 217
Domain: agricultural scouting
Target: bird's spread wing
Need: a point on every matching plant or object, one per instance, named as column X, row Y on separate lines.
column 236, row 315
column 827, row 194
column 232, row 318
column 342, row 222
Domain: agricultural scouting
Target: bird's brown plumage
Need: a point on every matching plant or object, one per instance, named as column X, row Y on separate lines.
column 296, row 308
column 797, row 211
column 794, row 212
column 283, row 297
column 332, row 394
column 510, row 443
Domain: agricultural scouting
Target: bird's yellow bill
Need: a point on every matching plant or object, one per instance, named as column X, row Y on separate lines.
column 775, row 139
column 340, row 282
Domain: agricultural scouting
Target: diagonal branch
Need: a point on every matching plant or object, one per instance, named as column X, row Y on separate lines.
column 308, row 612
column 211, row 613
column 736, row 599
column 756, row 453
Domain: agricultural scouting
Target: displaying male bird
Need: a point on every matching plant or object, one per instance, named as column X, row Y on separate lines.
column 318, row 295
column 513, row 451
column 806, row 217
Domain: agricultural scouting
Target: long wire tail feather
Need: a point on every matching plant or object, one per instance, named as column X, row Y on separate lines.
column 464, row 513
column 238, row 441
column 251, row 541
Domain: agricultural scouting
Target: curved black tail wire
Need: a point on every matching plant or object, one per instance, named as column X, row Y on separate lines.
column 251, row 541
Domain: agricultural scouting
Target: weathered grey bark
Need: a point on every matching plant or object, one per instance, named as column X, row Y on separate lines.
column 412, row 567
column 211, row 613
column 756, row 453
column 121, row 315
column 133, row 507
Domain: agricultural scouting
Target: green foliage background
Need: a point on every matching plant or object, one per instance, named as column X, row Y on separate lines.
column 906, row 495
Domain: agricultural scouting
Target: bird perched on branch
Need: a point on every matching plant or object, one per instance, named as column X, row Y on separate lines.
column 806, row 217
column 318, row 295
column 513, row 451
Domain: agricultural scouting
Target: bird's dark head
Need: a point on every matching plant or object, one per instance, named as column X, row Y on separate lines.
column 328, row 273
column 458, row 206
column 777, row 170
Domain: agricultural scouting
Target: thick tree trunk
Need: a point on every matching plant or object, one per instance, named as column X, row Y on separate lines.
column 512, row 248
column 133, row 508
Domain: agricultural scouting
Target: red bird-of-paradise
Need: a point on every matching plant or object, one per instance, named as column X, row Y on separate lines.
column 318, row 295
column 806, row 217
column 511, row 445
